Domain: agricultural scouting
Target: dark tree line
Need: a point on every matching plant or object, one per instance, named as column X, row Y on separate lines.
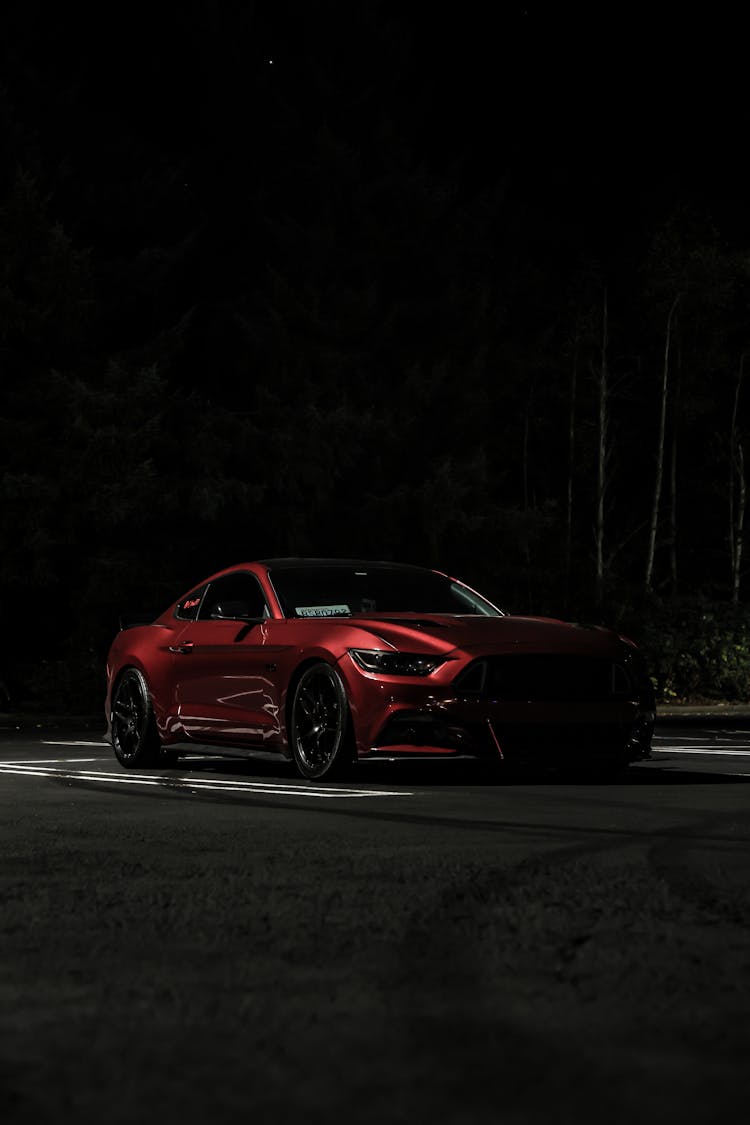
column 256, row 304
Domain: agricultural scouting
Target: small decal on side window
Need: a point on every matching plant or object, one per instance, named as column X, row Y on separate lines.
column 191, row 603
column 322, row 611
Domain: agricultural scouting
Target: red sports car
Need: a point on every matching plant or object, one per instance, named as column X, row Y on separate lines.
column 324, row 661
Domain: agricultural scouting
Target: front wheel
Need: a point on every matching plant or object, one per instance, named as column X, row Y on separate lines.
column 135, row 739
column 320, row 723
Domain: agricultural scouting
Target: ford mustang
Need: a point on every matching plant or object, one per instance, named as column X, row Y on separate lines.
column 326, row 661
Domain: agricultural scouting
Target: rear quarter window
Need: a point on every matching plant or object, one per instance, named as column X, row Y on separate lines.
column 187, row 609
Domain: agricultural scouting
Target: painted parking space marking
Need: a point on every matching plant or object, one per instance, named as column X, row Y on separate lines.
column 735, row 738
column 725, row 740
column 48, row 761
column 719, row 751
column 708, row 742
column 72, row 742
column 196, row 784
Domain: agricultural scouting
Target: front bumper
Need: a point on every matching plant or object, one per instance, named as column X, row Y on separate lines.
column 538, row 733
column 396, row 716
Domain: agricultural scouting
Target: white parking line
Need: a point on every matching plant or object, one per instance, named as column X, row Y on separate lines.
column 49, row 761
column 70, row 742
column 722, row 751
column 720, row 739
column 195, row 784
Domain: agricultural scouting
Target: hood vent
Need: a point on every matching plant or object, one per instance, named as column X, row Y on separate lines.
column 407, row 622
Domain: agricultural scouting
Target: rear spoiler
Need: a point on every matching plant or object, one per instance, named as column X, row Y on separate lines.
column 132, row 618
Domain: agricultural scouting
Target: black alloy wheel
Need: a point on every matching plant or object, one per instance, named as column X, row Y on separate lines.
column 320, row 723
column 134, row 736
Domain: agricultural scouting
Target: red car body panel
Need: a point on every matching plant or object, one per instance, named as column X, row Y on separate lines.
column 225, row 683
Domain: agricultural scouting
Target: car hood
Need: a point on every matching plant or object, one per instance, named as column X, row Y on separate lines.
column 443, row 633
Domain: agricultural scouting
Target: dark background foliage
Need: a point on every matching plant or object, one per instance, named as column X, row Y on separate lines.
column 367, row 279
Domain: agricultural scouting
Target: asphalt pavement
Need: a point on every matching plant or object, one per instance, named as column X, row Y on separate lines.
column 222, row 941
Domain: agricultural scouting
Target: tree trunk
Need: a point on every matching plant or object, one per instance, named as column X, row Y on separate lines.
column 740, row 523
column 737, row 491
column 658, row 476
column 601, row 460
column 526, row 427
column 673, row 477
column 571, row 462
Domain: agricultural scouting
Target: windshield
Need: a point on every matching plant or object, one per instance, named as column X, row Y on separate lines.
column 340, row 591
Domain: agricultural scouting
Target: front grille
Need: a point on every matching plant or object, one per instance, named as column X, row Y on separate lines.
column 544, row 678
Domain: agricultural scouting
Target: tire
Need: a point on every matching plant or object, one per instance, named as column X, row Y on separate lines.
column 320, row 727
column 135, row 739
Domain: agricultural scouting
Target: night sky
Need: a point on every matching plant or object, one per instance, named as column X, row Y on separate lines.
column 602, row 109
column 312, row 279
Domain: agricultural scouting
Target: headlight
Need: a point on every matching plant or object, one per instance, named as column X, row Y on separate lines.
column 391, row 663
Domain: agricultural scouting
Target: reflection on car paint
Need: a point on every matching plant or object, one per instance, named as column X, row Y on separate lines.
column 556, row 690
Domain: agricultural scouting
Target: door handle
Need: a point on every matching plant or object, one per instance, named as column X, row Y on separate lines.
column 184, row 647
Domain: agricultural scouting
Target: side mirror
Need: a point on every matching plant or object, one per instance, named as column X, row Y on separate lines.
column 232, row 611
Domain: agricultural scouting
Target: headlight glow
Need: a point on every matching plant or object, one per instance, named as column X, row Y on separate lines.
column 392, row 663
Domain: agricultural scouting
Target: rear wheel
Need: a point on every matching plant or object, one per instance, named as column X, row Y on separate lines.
column 135, row 739
column 320, row 723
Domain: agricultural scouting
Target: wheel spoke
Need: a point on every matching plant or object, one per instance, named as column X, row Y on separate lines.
column 307, row 704
column 134, row 731
column 318, row 719
column 128, row 713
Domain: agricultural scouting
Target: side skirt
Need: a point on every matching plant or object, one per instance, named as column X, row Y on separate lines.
column 212, row 749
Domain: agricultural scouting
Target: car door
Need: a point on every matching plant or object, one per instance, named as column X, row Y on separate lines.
column 224, row 686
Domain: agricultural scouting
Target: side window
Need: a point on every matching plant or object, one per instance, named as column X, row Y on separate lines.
column 187, row 610
column 237, row 595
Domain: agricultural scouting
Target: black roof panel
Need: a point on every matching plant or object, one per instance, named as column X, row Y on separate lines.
column 304, row 563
